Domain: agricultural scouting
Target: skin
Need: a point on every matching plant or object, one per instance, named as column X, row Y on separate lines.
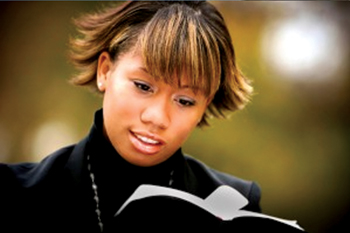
column 145, row 120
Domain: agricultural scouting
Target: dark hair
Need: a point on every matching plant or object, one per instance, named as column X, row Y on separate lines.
column 175, row 38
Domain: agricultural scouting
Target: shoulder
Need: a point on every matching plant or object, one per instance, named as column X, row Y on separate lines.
column 28, row 174
column 210, row 179
column 27, row 187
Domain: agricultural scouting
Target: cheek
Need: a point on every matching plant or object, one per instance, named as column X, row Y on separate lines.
column 184, row 127
column 118, row 100
column 119, row 109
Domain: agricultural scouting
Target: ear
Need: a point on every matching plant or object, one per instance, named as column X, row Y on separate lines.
column 104, row 67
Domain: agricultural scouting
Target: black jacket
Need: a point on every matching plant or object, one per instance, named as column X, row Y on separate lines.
column 56, row 194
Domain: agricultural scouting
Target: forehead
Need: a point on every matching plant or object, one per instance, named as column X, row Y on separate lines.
column 133, row 62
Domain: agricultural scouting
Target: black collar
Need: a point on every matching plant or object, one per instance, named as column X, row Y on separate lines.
column 115, row 177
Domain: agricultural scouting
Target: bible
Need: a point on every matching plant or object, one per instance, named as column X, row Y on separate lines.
column 160, row 208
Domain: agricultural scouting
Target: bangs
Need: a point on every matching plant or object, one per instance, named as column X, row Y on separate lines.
column 177, row 46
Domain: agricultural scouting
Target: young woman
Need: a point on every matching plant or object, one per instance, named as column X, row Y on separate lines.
column 163, row 68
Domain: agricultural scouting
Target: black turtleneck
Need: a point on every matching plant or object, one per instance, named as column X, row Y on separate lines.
column 56, row 193
column 116, row 178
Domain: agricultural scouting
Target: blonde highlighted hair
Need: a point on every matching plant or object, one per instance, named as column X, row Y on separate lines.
column 176, row 39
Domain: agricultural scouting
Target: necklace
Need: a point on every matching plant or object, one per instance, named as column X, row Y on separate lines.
column 96, row 198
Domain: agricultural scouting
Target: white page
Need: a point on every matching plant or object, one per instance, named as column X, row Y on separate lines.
column 152, row 190
column 225, row 202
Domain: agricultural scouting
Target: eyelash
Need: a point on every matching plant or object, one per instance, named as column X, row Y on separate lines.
column 143, row 87
column 147, row 88
column 186, row 103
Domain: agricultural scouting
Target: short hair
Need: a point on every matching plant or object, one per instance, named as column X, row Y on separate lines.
column 175, row 38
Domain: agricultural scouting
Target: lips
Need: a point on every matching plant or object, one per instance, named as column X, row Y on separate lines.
column 147, row 140
column 146, row 143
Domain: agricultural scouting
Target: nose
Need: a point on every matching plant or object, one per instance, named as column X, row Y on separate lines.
column 157, row 113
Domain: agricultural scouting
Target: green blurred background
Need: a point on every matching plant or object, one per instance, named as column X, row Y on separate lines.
column 293, row 139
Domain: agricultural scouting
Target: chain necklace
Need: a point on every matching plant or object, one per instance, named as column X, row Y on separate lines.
column 96, row 198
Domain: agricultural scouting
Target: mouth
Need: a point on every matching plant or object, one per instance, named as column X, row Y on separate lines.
column 147, row 140
column 146, row 143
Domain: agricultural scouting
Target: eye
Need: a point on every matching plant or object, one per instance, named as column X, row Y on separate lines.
column 143, row 86
column 186, row 102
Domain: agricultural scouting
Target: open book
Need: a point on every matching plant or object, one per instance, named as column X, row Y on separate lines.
column 221, row 209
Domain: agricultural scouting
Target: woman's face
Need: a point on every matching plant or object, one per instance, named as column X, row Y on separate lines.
column 145, row 120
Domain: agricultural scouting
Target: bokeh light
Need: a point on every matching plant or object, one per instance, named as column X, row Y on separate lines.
column 307, row 48
column 49, row 136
